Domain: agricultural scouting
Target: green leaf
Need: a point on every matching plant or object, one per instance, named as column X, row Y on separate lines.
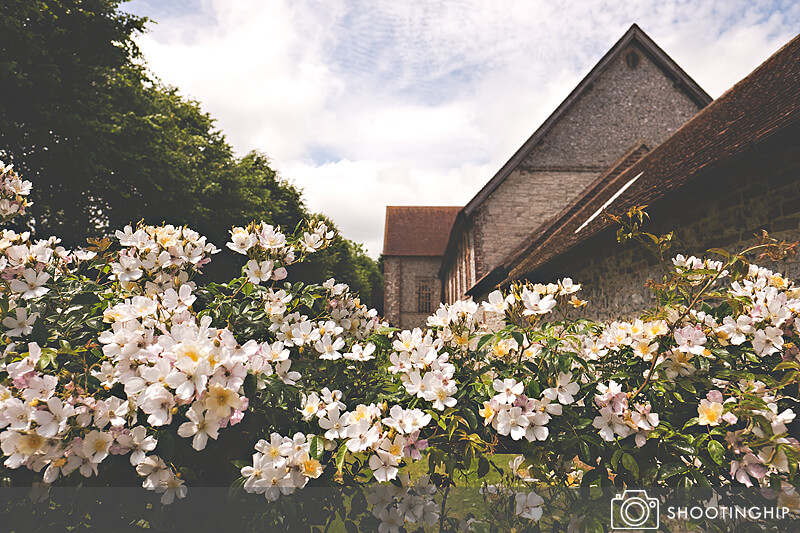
column 786, row 365
column 684, row 447
column 518, row 337
column 691, row 422
column 483, row 467
column 593, row 525
column 717, row 451
column 316, row 448
column 672, row 469
column 788, row 378
column 615, row 459
column 39, row 333
column 341, row 453
column 381, row 341
column 469, row 416
column 584, row 452
column 630, row 465
column 187, row 473
column 358, row 504
column 483, row 340
column 166, row 444
column 701, row 479
column 239, row 463
column 250, row 385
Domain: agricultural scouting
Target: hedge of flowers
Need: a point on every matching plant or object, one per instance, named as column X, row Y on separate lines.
column 116, row 364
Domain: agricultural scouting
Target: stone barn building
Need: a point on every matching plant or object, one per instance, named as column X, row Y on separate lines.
column 636, row 131
column 631, row 101
column 413, row 245
column 731, row 171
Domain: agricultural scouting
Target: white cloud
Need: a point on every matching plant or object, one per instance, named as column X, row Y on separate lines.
column 365, row 103
column 355, row 193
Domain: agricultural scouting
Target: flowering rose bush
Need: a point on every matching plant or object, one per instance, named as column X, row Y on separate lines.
column 117, row 365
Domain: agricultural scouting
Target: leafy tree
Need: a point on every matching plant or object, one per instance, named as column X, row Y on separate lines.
column 108, row 144
column 347, row 262
column 63, row 68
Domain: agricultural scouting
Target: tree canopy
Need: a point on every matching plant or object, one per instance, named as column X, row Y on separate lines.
column 109, row 144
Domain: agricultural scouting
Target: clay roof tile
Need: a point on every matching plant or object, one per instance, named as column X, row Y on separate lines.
column 418, row 230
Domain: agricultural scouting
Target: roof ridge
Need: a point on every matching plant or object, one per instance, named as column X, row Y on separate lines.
column 659, row 164
column 634, row 33
column 657, row 55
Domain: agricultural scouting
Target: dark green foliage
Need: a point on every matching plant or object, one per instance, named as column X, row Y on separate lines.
column 347, row 262
column 107, row 144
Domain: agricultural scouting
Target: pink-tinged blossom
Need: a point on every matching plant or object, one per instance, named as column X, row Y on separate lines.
column 31, row 285
column 507, row 390
column 383, row 465
column 611, row 396
column 414, row 445
column 158, row 404
column 21, row 323
column 512, row 422
column 96, row 445
column 749, row 467
column 768, row 341
column 709, row 413
column 138, row 442
column 690, row 339
column 334, row 423
column 221, row 401
column 40, row 387
column 154, row 470
column 529, row 505
column 496, row 303
column 201, row 426
column 735, row 332
column 54, row 419
column 172, row 488
column 179, row 300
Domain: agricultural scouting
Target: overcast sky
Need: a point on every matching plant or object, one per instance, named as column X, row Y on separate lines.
column 364, row 104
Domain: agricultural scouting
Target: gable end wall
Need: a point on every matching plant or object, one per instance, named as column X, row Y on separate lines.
column 624, row 105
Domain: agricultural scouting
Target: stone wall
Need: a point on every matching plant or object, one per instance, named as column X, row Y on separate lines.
column 625, row 105
column 392, row 266
column 402, row 276
column 724, row 208
column 524, row 201
column 464, row 266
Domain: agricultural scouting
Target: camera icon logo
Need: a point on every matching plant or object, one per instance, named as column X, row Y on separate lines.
column 634, row 509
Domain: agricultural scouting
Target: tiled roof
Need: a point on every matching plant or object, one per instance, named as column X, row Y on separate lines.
column 757, row 107
column 418, row 230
